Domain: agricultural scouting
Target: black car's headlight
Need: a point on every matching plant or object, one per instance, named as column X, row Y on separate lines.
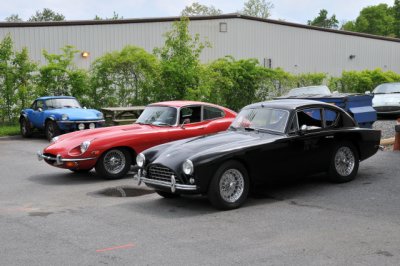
column 140, row 159
column 85, row 146
column 187, row 167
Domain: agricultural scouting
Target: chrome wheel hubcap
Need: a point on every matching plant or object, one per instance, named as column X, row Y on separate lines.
column 114, row 161
column 344, row 161
column 231, row 185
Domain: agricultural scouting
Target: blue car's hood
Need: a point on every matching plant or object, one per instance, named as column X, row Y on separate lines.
column 76, row 113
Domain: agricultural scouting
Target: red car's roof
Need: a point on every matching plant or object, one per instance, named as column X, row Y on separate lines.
column 180, row 103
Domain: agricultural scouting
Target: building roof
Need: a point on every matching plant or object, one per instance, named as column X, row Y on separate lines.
column 193, row 18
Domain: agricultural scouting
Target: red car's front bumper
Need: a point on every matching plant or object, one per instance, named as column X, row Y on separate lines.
column 67, row 163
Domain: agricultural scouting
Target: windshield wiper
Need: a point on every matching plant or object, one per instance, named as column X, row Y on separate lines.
column 250, row 128
column 159, row 123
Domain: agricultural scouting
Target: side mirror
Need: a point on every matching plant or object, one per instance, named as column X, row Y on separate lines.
column 40, row 109
column 367, row 92
column 185, row 121
column 303, row 129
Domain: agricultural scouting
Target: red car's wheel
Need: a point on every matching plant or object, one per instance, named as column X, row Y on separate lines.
column 114, row 163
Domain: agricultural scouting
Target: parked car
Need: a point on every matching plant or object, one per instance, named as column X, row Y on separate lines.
column 359, row 106
column 386, row 99
column 112, row 150
column 56, row 115
column 275, row 139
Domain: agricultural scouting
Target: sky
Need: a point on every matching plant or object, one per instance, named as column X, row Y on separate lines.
column 298, row 11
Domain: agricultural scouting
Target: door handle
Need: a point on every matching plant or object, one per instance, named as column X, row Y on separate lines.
column 329, row 137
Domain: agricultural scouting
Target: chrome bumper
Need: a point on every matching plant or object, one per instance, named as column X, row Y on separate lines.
column 59, row 160
column 81, row 121
column 172, row 185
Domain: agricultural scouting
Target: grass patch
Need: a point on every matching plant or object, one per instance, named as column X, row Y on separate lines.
column 9, row 130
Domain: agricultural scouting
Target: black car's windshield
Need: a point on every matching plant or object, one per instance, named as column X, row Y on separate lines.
column 261, row 118
column 158, row 115
column 62, row 103
column 388, row 88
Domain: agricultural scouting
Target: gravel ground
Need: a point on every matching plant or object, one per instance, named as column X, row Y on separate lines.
column 386, row 126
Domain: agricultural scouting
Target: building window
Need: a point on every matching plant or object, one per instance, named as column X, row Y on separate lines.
column 223, row 27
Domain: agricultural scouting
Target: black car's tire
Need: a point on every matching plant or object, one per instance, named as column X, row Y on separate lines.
column 25, row 127
column 114, row 163
column 51, row 130
column 230, row 186
column 344, row 162
column 167, row 195
column 80, row 171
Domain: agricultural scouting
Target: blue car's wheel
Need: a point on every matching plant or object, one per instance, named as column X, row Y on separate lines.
column 51, row 129
column 26, row 130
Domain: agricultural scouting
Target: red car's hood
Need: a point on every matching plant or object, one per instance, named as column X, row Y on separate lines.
column 103, row 137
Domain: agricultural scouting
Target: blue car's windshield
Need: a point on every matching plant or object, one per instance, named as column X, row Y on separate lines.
column 62, row 103
column 261, row 118
column 158, row 115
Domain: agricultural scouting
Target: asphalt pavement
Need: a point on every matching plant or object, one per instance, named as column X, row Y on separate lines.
column 51, row 216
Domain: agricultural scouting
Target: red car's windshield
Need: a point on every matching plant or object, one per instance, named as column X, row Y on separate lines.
column 158, row 115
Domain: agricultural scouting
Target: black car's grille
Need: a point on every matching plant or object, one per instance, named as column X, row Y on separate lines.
column 160, row 172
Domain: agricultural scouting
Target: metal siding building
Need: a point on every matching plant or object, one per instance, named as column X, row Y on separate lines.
column 294, row 47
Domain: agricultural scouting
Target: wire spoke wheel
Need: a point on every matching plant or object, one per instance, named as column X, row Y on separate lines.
column 344, row 161
column 114, row 161
column 231, row 185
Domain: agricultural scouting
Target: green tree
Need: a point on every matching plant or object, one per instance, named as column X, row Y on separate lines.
column 396, row 15
column 234, row 83
column 24, row 78
column 114, row 17
column 378, row 20
column 60, row 76
column 179, row 62
column 124, row 78
column 46, row 15
column 197, row 9
column 257, row 8
column 16, row 80
column 13, row 18
column 323, row 21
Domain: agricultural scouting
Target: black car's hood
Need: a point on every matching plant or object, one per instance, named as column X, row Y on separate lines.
column 206, row 146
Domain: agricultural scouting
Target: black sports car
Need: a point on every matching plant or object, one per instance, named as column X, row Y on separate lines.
column 269, row 139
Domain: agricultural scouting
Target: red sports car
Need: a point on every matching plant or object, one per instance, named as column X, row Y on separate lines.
column 112, row 150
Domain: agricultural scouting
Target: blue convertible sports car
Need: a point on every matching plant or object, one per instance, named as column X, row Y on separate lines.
column 56, row 115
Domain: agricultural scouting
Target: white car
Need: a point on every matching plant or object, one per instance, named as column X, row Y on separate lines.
column 387, row 98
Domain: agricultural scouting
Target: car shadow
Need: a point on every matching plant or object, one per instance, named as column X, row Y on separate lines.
column 289, row 190
column 70, row 178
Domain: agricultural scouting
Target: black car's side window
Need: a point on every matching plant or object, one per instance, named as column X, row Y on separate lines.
column 331, row 118
column 212, row 113
column 311, row 117
column 191, row 114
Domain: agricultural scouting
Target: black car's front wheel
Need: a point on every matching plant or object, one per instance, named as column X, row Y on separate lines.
column 51, row 129
column 26, row 130
column 230, row 186
column 114, row 163
column 344, row 163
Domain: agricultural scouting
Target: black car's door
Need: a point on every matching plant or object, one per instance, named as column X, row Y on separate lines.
column 310, row 144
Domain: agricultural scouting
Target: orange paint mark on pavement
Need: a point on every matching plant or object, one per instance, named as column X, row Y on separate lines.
column 130, row 245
